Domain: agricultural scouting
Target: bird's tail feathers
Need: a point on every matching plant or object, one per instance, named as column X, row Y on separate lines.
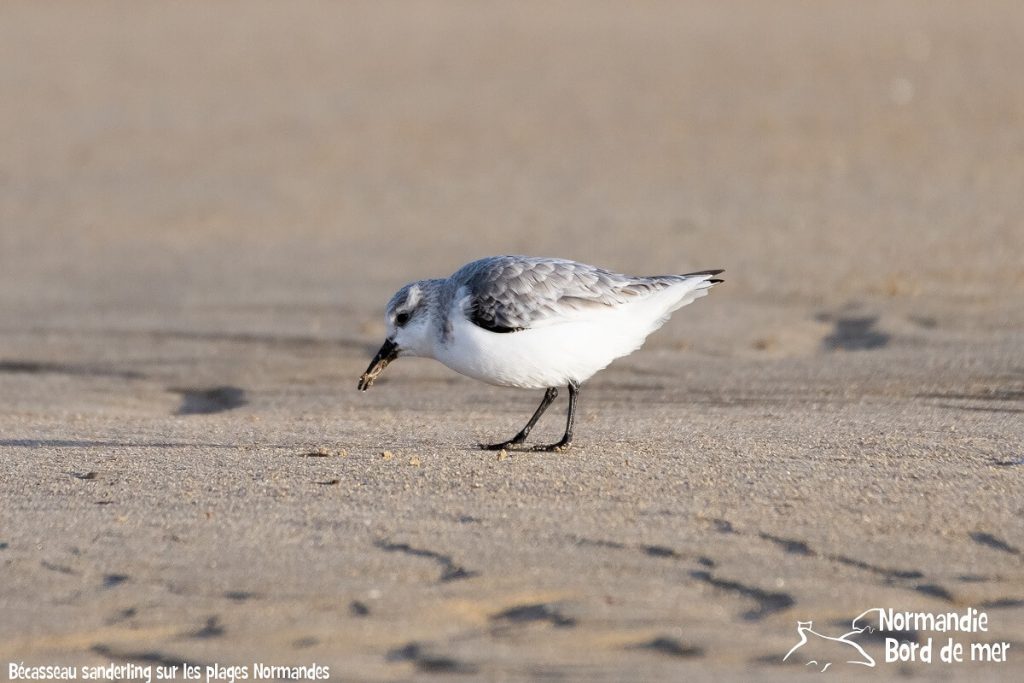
column 708, row 275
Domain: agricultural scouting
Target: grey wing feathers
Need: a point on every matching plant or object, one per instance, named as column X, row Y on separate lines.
column 512, row 293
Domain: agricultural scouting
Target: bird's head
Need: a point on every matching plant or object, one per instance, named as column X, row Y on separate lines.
column 408, row 321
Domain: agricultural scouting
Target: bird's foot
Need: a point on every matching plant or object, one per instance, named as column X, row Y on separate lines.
column 515, row 443
column 560, row 447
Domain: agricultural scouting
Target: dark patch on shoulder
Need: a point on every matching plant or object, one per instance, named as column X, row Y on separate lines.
column 490, row 325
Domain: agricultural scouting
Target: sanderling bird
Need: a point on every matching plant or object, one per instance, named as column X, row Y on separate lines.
column 532, row 323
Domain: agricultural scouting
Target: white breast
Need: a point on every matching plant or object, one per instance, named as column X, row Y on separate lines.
column 553, row 354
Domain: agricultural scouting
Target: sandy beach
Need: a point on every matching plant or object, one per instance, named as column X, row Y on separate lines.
column 204, row 208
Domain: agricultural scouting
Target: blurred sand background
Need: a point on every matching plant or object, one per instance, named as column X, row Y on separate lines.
column 205, row 206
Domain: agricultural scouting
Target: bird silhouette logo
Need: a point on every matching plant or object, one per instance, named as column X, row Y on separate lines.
column 821, row 651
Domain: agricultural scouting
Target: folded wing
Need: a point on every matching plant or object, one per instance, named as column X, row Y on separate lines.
column 514, row 293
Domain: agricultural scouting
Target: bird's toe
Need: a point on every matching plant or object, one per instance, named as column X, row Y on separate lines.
column 560, row 447
column 503, row 446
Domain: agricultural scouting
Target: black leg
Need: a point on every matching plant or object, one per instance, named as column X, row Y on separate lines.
column 519, row 438
column 566, row 441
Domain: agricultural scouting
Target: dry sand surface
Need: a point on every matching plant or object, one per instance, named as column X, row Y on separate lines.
column 205, row 205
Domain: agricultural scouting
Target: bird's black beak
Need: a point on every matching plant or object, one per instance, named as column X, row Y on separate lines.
column 388, row 352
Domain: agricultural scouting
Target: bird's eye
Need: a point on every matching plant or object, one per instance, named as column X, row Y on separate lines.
column 401, row 319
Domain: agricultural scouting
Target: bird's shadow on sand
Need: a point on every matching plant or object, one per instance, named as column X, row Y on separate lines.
column 85, row 443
